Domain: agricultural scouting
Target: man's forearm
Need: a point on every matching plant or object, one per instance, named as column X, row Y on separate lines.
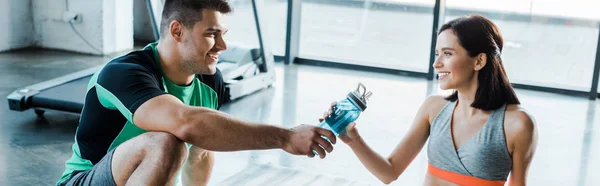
column 217, row 131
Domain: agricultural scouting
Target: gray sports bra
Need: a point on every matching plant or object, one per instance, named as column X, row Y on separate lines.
column 484, row 156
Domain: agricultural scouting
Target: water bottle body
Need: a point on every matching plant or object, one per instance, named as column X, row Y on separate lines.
column 344, row 113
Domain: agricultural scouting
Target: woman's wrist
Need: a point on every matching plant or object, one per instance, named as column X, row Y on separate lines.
column 357, row 143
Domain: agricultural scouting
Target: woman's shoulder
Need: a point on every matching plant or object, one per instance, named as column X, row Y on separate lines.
column 520, row 129
column 518, row 122
column 433, row 105
column 435, row 101
column 518, row 116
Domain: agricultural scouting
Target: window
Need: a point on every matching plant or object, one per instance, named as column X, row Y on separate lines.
column 384, row 33
column 546, row 43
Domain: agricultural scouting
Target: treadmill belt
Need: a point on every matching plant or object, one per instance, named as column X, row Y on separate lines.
column 69, row 96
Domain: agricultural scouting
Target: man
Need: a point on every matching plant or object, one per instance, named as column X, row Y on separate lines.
column 142, row 108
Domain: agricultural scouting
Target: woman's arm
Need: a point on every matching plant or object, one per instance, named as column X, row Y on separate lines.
column 522, row 133
column 389, row 169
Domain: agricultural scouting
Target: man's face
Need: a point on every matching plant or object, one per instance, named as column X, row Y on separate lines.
column 203, row 43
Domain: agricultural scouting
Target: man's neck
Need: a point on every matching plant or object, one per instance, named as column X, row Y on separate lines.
column 170, row 63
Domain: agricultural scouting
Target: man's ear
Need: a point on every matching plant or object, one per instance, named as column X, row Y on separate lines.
column 175, row 30
column 480, row 61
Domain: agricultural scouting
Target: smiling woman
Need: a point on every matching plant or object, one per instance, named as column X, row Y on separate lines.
column 478, row 135
column 474, row 44
column 475, row 115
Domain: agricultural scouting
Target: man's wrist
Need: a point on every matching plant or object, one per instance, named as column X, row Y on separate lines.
column 284, row 137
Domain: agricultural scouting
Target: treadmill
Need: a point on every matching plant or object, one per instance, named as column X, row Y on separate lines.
column 245, row 71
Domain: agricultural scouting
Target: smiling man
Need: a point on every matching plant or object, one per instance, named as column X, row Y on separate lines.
column 151, row 115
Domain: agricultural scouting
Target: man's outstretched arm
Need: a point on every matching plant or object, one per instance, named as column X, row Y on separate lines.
column 216, row 131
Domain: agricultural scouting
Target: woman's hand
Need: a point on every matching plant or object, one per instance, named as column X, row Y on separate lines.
column 350, row 135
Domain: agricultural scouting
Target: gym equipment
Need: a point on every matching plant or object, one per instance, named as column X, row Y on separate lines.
column 245, row 71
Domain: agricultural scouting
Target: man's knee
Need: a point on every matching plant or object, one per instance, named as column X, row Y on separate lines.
column 158, row 150
column 165, row 144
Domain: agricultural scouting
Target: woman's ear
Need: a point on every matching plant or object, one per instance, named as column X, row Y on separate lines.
column 480, row 61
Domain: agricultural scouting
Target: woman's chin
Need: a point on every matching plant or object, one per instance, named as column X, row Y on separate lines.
column 445, row 87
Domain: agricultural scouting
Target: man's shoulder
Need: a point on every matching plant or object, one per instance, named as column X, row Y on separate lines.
column 135, row 62
column 135, row 56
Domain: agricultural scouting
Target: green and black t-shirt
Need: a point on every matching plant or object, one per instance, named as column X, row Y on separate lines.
column 117, row 90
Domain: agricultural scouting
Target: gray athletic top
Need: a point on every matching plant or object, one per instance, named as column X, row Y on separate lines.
column 484, row 156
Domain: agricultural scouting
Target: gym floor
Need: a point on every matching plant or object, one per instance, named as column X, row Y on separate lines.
column 33, row 150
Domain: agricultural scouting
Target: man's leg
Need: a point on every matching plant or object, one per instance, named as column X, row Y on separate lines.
column 152, row 158
column 198, row 167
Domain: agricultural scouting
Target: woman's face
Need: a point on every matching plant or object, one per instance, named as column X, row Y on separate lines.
column 453, row 64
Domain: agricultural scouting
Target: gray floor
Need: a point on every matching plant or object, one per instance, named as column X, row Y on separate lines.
column 33, row 150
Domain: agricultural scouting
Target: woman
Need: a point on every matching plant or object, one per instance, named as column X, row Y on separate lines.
column 477, row 135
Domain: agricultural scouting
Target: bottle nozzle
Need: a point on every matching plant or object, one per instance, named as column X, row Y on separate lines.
column 363, row 95
column 364, row 89
column 368, row 95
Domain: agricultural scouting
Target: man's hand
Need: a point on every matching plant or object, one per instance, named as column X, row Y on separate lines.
column 350, row 135
column 305, row 138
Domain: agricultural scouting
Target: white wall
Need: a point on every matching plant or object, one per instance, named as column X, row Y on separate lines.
column 16, row 24
column 54, row 33
column 107, row 25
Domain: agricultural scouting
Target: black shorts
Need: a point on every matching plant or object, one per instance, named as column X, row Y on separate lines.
column 100, row 174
